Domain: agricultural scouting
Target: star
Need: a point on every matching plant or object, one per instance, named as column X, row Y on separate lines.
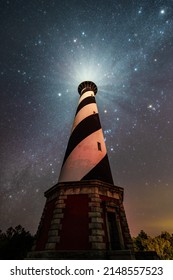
column 83, row 34
column 162, row 12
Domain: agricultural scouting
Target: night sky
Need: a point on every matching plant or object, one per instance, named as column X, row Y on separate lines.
column 46, row 49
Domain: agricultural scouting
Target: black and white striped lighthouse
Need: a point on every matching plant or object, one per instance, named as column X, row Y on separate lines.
column 86, row 156
column 84, row 217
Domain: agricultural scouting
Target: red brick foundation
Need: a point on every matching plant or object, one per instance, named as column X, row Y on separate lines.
column 83, row 216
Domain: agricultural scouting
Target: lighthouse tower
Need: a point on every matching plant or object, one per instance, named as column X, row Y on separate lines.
column 86, row 156
column 84, row 217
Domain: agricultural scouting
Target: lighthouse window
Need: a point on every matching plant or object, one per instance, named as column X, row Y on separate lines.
column 99, row 146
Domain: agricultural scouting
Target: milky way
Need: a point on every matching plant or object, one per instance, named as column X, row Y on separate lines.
column 49, row 47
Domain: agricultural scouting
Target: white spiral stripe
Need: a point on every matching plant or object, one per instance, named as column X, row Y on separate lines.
column 85, row 95
column 86, row 111
column 83, row 158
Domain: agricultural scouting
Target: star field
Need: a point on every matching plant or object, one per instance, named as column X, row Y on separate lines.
column 49, row 47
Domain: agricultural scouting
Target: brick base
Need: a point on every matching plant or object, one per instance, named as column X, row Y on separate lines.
column 78, row 219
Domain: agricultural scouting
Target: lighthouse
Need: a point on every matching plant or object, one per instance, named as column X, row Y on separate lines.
column 86, row 156
column 84, row 216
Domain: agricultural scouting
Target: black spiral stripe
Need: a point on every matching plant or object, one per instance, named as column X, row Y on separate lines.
column 83, row 129
column 86, row 101
column 100, row 172
column 86, row 156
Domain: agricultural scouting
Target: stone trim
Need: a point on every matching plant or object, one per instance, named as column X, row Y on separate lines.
column 96, row 232
column 96, row 209
column 95, row 226
column 96, row 238
column 94, row 204
column 86, row 187
column 98, row 246
column 50, row 246
column 53, row 232
column 53, row 239
column 94, row 214
column 58, row 215
column 95, row 199
column 58, row 210
column 96, row 222
column 56, row 225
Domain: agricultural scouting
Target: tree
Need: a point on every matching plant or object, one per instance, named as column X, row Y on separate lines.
column 161, row 244
column 15, row 243
column 140, row 242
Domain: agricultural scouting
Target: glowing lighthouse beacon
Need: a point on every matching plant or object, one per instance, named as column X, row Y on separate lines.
column 84, row 217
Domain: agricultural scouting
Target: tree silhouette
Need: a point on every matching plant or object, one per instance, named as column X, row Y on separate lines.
column 161, row 244
column 15, row 243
